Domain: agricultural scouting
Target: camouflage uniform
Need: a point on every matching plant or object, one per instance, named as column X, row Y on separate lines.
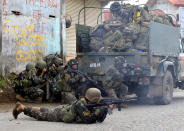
column 69, row 83
column 40, row 78
column 53, row 93
column 18, row 83
column 76, row 112
column 31, row 89
column 27, row 84
column 113, row 84
column 116, row 34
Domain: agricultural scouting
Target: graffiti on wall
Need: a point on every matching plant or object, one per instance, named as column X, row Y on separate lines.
column 33, row 37
column 26, row 38
column 43, row 3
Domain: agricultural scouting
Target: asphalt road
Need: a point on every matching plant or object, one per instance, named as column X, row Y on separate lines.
column 138, row 117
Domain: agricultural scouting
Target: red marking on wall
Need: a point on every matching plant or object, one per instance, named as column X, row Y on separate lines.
column 5, row 13
column 30, row 2
column 52, row 3
column 37, row 14
column 43, row 3
column 4, row 2
column 40, row 27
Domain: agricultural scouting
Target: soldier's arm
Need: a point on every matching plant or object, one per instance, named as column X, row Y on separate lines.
column 70, row 79
column 86, row 115
column 37, row 79
column 102, row 114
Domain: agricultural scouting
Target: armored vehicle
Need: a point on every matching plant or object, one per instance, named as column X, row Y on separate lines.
column 153, row 72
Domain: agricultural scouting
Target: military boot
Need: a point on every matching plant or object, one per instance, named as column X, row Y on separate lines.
column 18, row 109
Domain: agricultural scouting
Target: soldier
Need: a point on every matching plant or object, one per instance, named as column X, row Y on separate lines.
column 30, row 91
column 70, row 82
column 114, row 82
column 75, row 112
column 58, row 62
column 18, row 85
column 40, row 79
column 52, row 78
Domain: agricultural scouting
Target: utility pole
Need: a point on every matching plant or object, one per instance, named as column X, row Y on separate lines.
column 63, row 30
column 1, row 70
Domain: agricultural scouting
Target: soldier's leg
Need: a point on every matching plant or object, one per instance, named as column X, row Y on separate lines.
column 34, row 93
column 111, row 93
column 122, row 91
column 39, row 113
column 68, row 97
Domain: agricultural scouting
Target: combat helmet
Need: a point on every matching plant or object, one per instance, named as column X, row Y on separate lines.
column 40, row 65
column 119, row 61
column 115, row 7
column 29, row 66
column 72, row 62
column 93, row 95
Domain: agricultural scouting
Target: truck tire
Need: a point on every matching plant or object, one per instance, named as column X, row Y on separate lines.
column 167, row 87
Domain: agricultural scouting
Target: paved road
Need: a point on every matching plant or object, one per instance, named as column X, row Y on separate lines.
column 138, row 117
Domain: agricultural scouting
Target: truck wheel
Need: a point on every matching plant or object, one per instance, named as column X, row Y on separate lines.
column 167, row 87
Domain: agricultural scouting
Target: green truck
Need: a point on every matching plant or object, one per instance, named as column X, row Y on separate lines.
column 152, row 73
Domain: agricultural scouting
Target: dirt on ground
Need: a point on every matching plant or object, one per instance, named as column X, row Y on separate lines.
column 7, row 94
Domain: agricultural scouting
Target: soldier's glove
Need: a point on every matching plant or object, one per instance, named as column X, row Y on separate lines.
column 102, row 114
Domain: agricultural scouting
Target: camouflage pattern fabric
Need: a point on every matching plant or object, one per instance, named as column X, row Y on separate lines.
column 113, row 84
column 69, row 85
column 75, row 112
column 68, row 97
column 128, row 28
column 31, row 88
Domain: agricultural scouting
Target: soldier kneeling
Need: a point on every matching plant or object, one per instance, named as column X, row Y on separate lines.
column 75, row 112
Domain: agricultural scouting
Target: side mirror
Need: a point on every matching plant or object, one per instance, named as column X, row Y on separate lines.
column 177, row 18
column 68, row 23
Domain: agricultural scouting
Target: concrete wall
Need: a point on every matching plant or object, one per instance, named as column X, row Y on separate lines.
column 30, row 30
column 166, row 6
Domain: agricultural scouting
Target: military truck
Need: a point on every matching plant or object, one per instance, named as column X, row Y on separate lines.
column 154, row 72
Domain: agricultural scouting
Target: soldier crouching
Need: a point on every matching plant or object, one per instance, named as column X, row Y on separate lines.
column 75, row 112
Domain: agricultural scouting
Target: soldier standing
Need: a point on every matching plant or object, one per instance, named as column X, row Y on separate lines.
column 75, row 112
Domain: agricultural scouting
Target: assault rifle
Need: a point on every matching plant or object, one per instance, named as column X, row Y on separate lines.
column 107, row 102
column 91, row 82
